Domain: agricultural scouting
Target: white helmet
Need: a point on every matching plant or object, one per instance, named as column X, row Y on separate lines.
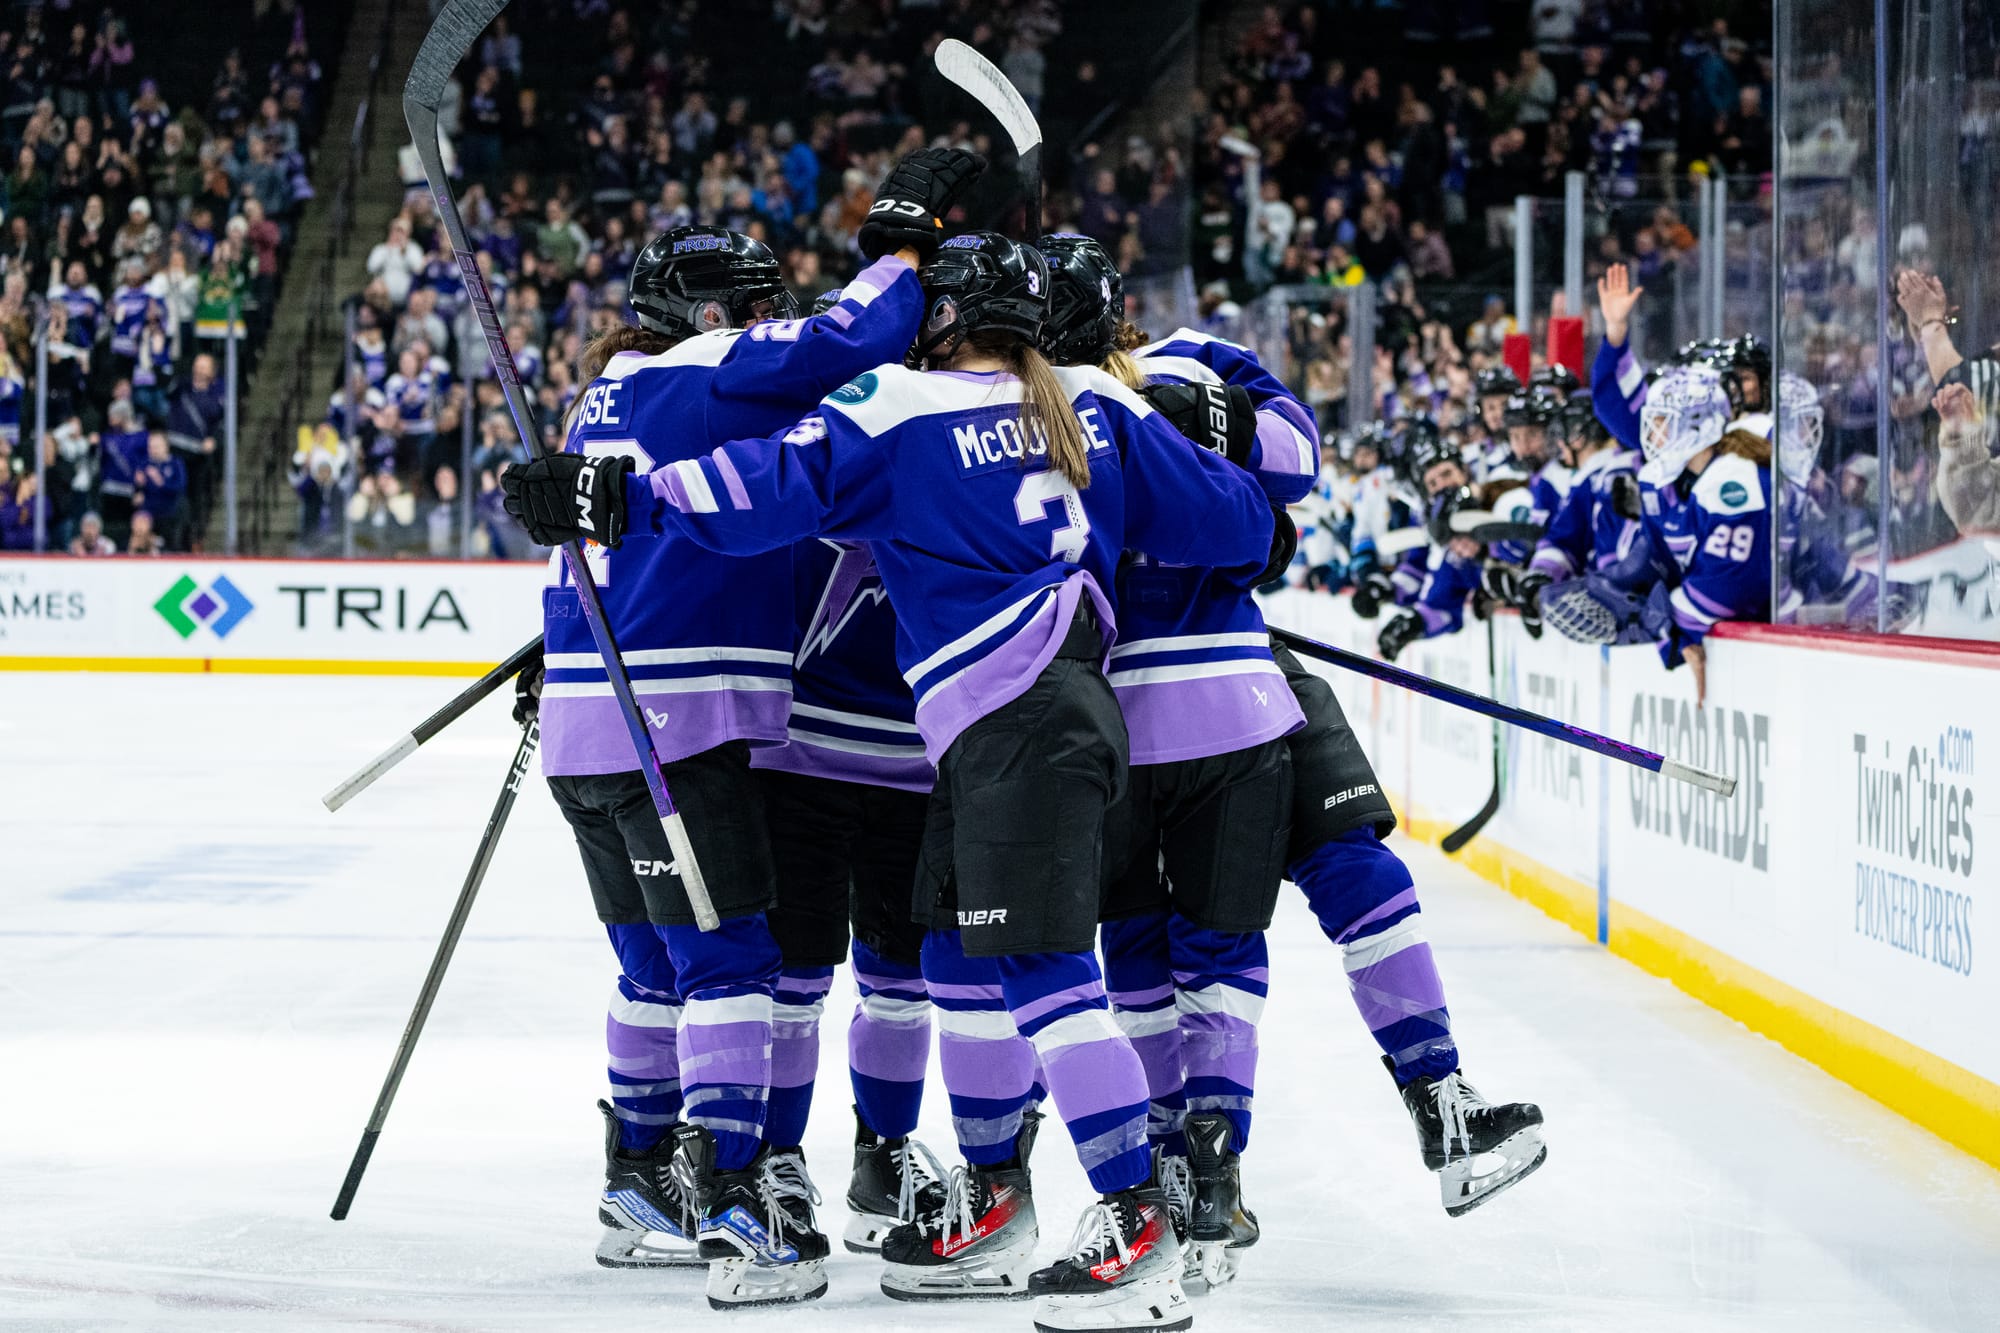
column 1686, row 410
column 1801, row 424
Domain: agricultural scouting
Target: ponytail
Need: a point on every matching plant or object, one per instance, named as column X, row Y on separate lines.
column 1747, row 444
column 1120, row 366
column 597, row 354
column 1046, row 413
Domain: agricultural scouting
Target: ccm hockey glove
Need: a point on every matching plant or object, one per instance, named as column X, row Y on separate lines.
column 1218, row 417
column 910, row 207
column 569, row 497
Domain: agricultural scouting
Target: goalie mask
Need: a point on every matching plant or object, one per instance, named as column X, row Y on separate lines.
column 1685, row 412
column 695, row 280
column 1801, row 426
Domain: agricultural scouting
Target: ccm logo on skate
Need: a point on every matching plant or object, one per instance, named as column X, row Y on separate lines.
column 985, row 916
column 651, row 868
column 1340, row 797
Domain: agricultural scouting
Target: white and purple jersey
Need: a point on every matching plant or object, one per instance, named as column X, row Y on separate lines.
column 1193, row 669
column 708, row 638
column 986, row 555
column 85, row 306
column 1546, row 489
column 853, row 717
column 1718, row 532
column 1587, row 532
column 13, row 390
column 415, row 398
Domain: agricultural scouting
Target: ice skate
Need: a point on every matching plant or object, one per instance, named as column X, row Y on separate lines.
column 978, row 1244
column 649, row 1221
column 757, row 1231
column 1219, row 1226
column 1478, row 1149
column 891, row 1185
column 1123, row 1273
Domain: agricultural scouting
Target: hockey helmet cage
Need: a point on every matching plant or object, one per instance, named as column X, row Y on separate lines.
column 1801, row 427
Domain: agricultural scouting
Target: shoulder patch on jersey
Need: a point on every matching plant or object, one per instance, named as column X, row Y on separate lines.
column 857, row 390
column 1731, row 484
column 1732, row 494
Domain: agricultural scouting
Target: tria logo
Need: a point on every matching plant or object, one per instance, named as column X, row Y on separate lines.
column 657, row 721
column 187, row 606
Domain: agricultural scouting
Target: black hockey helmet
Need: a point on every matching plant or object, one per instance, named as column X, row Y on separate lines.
column 1576, row 425
column 1086, row 299
column 1750, row 353
column 982, row 280
column 1558, row 377
column 1424, row 447
column 1537, row 406
column 1497, row 382
column 694, row 280
column 825, row 301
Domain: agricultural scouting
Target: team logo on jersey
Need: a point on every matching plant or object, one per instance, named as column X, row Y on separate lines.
column 1733, row 494
column 857, row 390
column 187, row 606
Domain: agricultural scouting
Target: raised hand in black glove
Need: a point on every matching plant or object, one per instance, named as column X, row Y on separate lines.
column 909, row 209
column 1218, row 417
column 528, row 692
column 1399, row 634
column 569, row 497
column 1370, row 591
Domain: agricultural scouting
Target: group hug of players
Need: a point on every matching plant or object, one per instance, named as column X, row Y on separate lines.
column 938, row 604
column 1640, row 511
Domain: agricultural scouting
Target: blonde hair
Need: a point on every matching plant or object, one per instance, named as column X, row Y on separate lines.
column 1045, row 408
column 1746, row 444
column 1119, row 363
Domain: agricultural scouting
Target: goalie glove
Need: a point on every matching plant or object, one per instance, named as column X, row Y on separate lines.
column 1218, row 417
column 569, row 497
column 910, row 207
column 1399, row 634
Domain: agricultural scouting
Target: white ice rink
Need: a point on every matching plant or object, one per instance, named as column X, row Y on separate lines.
column 203, row 974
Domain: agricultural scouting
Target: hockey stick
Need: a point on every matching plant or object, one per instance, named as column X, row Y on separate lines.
column 517, row 773
column 407, row 745
column 1469, row 830
column 452, row 35
column 1508, row 713
column 990, row 88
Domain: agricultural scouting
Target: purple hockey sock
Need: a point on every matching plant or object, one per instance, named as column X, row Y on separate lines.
column 795, row 1012
column 1138, row 974
column 889, row 1043
column 988, row 1067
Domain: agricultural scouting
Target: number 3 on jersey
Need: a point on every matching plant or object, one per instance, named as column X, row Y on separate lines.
column 1030, row 506
column 597, row 557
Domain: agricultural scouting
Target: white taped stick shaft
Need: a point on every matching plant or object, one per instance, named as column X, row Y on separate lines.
column 1697, row 777
column 690, row 872
column 374, row 769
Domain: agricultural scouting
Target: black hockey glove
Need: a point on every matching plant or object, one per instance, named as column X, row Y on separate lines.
column 1370, row 591
column 910, row 207
column 1500, row 582
column 528, row 692
column 569, row 497
column 1218, row 417
column 1399, row 634
column 1529, row 600
column 1625, row 496
column 1284, row 545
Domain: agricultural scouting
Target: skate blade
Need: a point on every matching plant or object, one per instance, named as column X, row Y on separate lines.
column 1001, row 1275
column 737, row 1284
column 1206, row 1265
column 1154, row 1305
column 651, row 1249
column 865, row 1231
column 1463, row 1185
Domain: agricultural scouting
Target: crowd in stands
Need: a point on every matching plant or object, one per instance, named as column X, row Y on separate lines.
column 613, row 124
column 137, row 234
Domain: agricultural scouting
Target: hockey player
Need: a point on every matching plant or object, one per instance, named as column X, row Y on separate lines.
column 1365, row 901
column 1595, row 528
column 1198, row 844
column 1706, row 497
column 708, row 639
column 1487, row 447
column 1450, row 565
column 997, row 494
column 1383, row 503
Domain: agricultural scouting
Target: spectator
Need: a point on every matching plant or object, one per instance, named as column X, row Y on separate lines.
column 160, row 490
column 396, row 260
column 90, row 538
column 144, row 540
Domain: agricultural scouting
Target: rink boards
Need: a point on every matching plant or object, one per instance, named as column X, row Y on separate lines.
column 1841, row 902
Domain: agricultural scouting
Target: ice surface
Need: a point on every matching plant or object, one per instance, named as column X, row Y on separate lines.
column 203, row 974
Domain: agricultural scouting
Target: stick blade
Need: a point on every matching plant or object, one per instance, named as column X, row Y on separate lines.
column 453, row 32
column 989, row 87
